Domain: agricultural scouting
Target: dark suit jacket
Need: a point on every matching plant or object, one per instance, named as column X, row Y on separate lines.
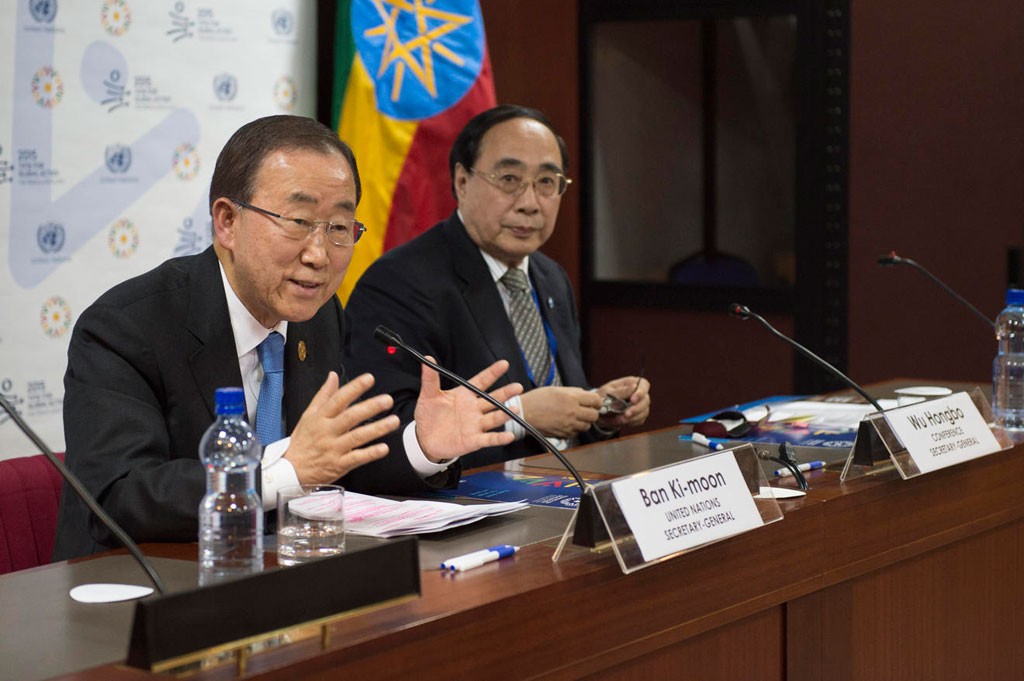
column 438, row 295
column 143, row 364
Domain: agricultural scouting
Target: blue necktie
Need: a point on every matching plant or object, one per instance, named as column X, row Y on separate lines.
column 268, row 409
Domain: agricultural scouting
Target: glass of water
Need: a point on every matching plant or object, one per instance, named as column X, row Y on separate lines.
column 310, row 523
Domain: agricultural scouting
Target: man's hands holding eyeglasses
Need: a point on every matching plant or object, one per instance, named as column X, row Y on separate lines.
column 632, row 403
column 558, row 411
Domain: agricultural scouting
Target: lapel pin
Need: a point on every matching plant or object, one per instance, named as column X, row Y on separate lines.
column 551, row 303
column 302, row 351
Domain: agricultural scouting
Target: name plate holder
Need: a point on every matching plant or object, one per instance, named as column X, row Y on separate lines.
column 925, row 436
column 659, row 514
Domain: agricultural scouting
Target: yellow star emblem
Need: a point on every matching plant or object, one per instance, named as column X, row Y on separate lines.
column 417, row 53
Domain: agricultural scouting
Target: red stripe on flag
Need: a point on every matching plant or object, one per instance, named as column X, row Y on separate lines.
column 423, row 195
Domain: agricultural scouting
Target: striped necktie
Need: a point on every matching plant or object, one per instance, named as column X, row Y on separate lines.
column 529, row 329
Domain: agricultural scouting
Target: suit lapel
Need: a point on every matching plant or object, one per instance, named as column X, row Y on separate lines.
column 484, row 301
column 213, row 361
column 304, row 370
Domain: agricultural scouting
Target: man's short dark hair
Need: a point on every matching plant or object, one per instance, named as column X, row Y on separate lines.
column 466, row 149
column 234, row 176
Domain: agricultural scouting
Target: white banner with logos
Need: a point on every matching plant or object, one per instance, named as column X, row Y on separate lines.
column 112, row 117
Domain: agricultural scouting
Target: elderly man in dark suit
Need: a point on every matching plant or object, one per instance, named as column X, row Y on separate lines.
column 474, row 289
column 145, row 359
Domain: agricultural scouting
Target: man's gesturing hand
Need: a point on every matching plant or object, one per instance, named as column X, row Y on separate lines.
column 450, row 423
column 328, row 441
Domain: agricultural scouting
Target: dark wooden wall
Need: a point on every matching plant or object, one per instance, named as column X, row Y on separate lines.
column 936, row 172
column 534, row 47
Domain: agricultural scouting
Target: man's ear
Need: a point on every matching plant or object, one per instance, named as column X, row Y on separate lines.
column 226, row 216
column 461, row 178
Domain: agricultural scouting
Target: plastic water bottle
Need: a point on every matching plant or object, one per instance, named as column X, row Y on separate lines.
column 1008, row 367
column 230, row 515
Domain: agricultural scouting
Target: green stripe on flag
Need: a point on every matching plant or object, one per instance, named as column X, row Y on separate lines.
column 344, row 54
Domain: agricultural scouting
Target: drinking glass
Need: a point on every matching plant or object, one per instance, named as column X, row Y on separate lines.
column 310, row 523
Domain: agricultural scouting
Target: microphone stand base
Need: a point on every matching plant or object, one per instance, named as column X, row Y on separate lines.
column 586, row 529
column 590, row 531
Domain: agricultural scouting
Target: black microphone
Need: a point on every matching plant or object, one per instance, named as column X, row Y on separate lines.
column 588, row 526
column 85, row 496
column 743, row 312
column 893, row 259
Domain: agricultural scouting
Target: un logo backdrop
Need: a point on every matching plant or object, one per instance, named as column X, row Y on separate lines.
column 119, row 109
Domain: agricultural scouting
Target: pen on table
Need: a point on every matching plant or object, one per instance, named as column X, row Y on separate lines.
column 703, row 441
column 478, row 558
column 803, row 468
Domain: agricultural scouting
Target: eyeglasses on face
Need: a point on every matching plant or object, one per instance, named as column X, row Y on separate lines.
column 547, row 183
column 338, row 233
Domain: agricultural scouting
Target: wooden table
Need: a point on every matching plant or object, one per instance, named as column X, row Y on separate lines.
column 878, row 578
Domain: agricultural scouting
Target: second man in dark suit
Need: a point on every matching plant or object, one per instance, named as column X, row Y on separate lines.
column 475, row 288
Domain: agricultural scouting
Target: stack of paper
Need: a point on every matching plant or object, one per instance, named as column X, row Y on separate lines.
column 833, row 417
column 376, row 517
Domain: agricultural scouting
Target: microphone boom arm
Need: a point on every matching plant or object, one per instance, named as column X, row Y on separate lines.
column 743, row 312
column 893, row 259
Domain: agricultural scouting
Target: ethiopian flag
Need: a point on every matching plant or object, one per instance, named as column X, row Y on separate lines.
column 409, row 74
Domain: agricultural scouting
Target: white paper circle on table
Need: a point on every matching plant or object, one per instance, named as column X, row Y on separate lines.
column 780, row 493
column 924, row 391
column 108, row 593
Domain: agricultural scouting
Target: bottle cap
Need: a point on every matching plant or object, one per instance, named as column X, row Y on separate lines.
column 231, row 401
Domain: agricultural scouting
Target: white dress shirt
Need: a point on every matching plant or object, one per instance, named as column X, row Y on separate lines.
column 277, row 471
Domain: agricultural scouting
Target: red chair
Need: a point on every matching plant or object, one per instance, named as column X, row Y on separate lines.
column 29, row 496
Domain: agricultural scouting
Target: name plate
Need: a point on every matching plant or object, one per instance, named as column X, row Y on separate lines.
column 679, row 507
column 943, row 432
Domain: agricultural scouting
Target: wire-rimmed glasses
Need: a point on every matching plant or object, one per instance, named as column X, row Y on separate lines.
column 547, row 183
column 338, row 233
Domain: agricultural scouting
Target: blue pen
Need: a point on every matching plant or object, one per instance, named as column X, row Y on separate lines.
column 478, row 558
column 804, row 467
column 703, row 441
